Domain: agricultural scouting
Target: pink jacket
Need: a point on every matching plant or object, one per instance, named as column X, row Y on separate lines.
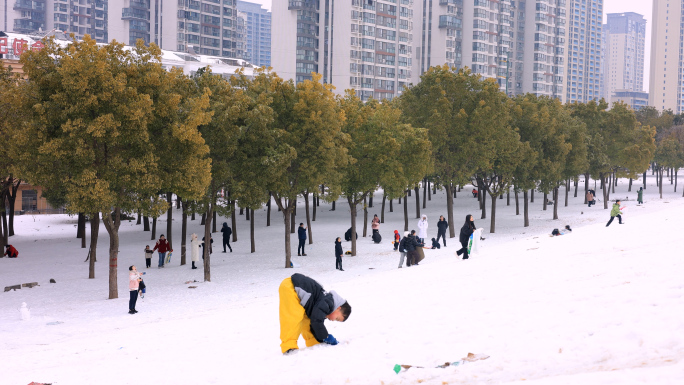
column 375, row 224
column 133, row 281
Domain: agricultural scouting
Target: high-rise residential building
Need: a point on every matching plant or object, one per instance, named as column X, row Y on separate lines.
column 666, row 84
column 207, row 27
column 623, row 63
column 363, row 45
column 583, row 69
column 257, row 33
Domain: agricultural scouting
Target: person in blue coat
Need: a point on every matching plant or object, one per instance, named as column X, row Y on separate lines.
column 302, row 239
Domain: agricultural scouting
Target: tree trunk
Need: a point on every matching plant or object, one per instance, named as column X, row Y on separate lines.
column 209, row 215
column 286, row 222
column 450, row 210
column 370, row 200
column 576, row 184
column 352, row 210
column 532, row 195
column 546, row 199
column 192, row 217
column 555, row 201
column 213, row 225
column 268, row 210
column 11, row 198
column 429, row 190
column 251, row 231
column 365, row 217
column 508, row 197
column 293, row 216
column 154, row 229
column 586, row 187
column 333, row 206
column 602, row 176
column 80, row 227
column 660, row 181
column 204, row 219
column 675, row 178
column 405, row 211
column 567, row 192
column 179, row 203
column 391, row 207
column 242, row 211
column 517, row 203
column 526, row 216
column 169, row 224
column 137, row 222
column 233, row 221
column 425, row 189
column 481, row 194
column 492, row 222
column 315, row 199
column 308, row 218
column 629, row 187
column 184, row 230
column 94, row 234
column 247, row 214
column 644, row 180
column 146, row 223
column 382, row 210
column 417, row 189
column 3, row 229
column 112, row 226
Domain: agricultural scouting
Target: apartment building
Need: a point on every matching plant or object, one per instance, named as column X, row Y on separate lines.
column 23, row 16
column 623, row 64
column 257, row 35
column 585, row 25
column 666, row 88
column 364, row 45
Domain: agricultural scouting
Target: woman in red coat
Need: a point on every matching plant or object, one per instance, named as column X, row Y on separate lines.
column 11, row 252
column 162, row 246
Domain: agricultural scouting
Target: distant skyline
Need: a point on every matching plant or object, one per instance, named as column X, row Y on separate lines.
column 643, row 7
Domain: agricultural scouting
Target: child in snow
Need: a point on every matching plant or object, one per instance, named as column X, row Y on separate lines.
column 397, row 239
column 338, row 254
column 133, row 286
column 11, row 252
column 148, row 256
column 474, row 193
column 566, row 230
column 435, row 244
column 640, row 195
column 615, row 212
column 304, row 305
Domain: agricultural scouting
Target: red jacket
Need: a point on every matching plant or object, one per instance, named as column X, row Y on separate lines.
column 11, row 252
column 162, row 246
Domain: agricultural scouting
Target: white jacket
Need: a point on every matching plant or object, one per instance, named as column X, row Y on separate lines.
column 195, row 250
column 422, row 227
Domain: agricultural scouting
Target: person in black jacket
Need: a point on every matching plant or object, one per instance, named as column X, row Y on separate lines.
column 227, row 232
column 442, row 227
column 402, row 250
column 301, row 231
column 304, row 305
column 410, row 246
column 466, row 231
column 338, row 254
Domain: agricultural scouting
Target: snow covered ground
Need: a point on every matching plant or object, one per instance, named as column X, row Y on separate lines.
column 598, row 306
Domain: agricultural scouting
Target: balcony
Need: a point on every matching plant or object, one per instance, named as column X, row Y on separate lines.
column 139, row 4
column 28, row 5
column 302, row 4
column 134, row 14
column 27, row 25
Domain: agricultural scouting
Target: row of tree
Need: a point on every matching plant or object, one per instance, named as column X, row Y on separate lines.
column 106, row 131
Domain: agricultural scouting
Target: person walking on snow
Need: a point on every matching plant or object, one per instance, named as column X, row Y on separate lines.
column 304, row 305
column 464, row 237
column 133, row 284
column 422, row 228
column 615, row 212
column 162, row 246
column 148, row 256
column 590, row 198
column 397, row 239
column 301, row 232
column 442, row 227
column 194, row 249
column 338, row 254
column 227, row 232
column 402, row 250
column 640, row 196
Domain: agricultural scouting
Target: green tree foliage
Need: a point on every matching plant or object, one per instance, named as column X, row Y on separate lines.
column 450, row 106
column 668, row 154
column 90, row 130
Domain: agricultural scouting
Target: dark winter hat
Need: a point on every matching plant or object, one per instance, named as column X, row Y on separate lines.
column 130, row 268
column 301, row 224
column 161, row 235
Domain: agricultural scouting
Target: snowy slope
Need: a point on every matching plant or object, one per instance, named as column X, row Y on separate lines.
column 598, row 306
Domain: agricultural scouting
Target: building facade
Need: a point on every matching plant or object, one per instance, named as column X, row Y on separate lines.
column 666, row 86
column 634, row 99
column 257, row 33
column 623, row 63
column 585, row 25
column 364, row 45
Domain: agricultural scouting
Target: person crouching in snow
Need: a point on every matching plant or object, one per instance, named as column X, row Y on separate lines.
column 304, row 305
column 10, row 251
column 435, row 244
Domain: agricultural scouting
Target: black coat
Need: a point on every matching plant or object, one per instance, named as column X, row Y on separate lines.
column 316, row 303
column 412, row 243
column 402, row 245
column 466, row 232
column 227, row 231
column 442, row 226
column 301, row 232
column 338, row 249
